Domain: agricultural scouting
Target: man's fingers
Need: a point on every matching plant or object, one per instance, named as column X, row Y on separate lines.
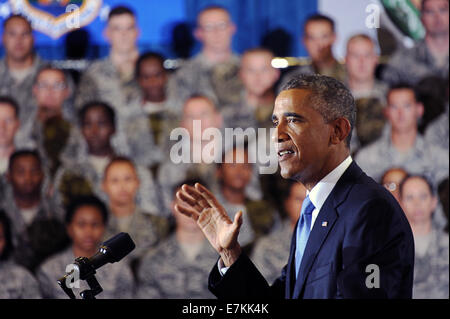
column 194, row 193
column 238, row 220
column 183, row 196
column 208, row 196
column 189, row 212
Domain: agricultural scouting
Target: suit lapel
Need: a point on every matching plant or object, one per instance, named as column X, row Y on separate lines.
column 290, row 271
column 318, row 234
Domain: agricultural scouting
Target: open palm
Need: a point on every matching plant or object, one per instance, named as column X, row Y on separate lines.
column 201, row 205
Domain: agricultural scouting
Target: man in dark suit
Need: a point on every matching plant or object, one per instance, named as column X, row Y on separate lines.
column 352, row 239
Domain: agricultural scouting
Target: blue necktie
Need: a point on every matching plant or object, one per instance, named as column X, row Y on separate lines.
column 303, row 230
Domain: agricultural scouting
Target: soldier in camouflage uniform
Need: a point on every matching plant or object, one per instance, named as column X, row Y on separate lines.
column 86, row 221
column 152, row 113
column 271, row 252
column 121, row 184
column 430, row 55
column 319, row 37
column 370, row 94
column 87, row 155
column 214, row 71
column 112, row 79
column 17, row 282
column 50, row 123
column 421, row 157
column 431, row 267
column 177, row 268
column 20, row 65
column 28, row 206
column 255, row 105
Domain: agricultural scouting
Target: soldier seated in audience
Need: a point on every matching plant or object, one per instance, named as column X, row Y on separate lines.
column 319, row 36
column 403, row 146
column 86, row 220
column 50, row 124
column 213, row 71
column 431, row 270
column 36, row 229
column 177, row 268
column 271, row 252
column 361, row 61
column 121, row 184
column 85, row 160
column 17, row 282
column 255, row 106
column 152, row 113
column 112, row 79
column 234, row 175
column 19, row 66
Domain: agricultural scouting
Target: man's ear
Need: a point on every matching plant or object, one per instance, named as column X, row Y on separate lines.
column 106, row 34
column 420, row 109
column 198, row 34
column 341, row 130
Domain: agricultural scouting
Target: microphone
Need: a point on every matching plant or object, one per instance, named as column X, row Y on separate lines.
column 111, row 251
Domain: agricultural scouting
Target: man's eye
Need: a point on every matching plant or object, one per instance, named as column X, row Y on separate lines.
column 292, row 120
column 274, row 124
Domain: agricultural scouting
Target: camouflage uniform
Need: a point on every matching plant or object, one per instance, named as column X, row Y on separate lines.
column 271, row 252
column 145, row 229
column 423, row 158
column 220, row 82
column 147, row 132
column 431, row 270
column 21, row 92
column 437, row 131
column 31, row 245
column 115, row 279
column 17, row 282
column 166, row 272
column 102, row 81
column 337, row 71
column 412, row 65
column 77, row 176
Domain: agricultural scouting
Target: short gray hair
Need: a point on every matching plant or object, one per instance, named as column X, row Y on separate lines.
column 330, row 97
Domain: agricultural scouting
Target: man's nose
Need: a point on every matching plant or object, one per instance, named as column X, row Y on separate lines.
column 279, row 135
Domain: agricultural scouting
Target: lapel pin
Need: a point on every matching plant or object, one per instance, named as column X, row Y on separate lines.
column 324, row 224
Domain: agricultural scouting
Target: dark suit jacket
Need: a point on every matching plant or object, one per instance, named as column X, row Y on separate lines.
column 364, row 226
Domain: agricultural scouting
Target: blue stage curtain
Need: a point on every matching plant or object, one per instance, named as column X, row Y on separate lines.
column 255, row 18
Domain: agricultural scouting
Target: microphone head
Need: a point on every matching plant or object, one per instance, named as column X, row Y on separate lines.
column 118, row 246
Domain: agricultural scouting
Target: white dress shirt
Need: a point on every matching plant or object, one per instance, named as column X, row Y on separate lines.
column 318, row 195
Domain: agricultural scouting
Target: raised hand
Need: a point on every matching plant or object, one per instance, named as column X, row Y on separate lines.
column 201, row 205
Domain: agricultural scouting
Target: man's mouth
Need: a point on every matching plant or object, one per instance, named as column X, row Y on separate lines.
column 285, row 154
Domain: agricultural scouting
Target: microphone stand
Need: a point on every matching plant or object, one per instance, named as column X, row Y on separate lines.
column 87, row 272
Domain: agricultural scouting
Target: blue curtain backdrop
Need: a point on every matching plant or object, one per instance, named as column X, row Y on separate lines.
column 255, row 18
column 157, row 20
